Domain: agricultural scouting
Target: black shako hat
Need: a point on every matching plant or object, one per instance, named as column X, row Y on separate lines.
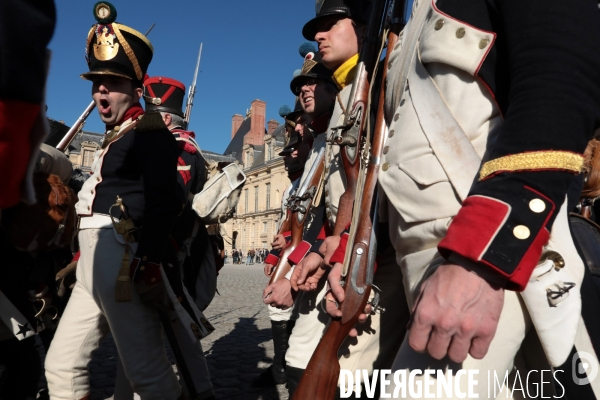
column 116, row 49
column 164, row 94
column 290, row 119
column 294, row 139
column 310, row 69
column 355, row 9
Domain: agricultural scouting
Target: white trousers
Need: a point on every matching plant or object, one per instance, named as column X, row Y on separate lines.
column 278, row 314
column 194, row 359
column 378, row 338
column 91, row 313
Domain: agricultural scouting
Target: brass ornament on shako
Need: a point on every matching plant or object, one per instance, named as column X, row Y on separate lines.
column 105, row 47
column 115, row 49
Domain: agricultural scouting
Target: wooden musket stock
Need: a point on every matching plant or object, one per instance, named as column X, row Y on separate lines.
column 321, row 376
column 298, row 212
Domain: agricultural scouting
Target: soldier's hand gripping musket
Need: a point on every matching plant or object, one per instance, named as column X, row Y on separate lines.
column 299, row 207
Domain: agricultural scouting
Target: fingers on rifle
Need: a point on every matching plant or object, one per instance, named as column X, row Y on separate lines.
column 267, row 294
column 294, row 278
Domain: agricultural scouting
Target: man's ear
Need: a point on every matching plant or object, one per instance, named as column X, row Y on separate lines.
column 137, row 94
column 167, row 118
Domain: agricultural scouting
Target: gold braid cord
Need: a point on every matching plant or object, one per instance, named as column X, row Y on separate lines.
column 535, row 160
column 89, row 38
column 128, row 51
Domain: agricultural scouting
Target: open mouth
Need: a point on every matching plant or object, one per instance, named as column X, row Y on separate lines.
column 307, row 100
column 104, row 107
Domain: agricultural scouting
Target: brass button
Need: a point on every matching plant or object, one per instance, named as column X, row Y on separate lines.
column 396, row 117
column 179, row 299
column 327, row 193
column 153, row 280
column 537, row 205
column 385, row 166
column 328, row 214
column 460, row 33
column 91, row 191
column 391, row 133
column 389, row 65
column 98, row 179
column 521, row 232
column 88, row 208
column 142, row 268
column 144, row 258
column 386, row 149
column 556, row 258
column 439, row 24
column 483, row 43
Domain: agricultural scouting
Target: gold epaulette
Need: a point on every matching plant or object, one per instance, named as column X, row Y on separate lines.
column 151, row 121
column 532, row 161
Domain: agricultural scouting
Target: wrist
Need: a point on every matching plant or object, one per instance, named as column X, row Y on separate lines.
column 480, row 270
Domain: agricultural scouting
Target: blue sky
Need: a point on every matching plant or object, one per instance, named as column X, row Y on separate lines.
column 250, row 51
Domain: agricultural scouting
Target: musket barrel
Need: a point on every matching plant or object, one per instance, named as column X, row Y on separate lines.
column 70, row 135
column 192, row 91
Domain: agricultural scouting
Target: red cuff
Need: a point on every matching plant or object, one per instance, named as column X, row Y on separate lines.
column 340, row 252
column 322, row 233
column 16, row 122
column 299, row 252
column 271, row 259
column 147, row 271
column 76, row 256
column 491, row 232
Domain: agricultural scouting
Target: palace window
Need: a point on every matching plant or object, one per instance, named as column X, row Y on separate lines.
column 268, row 189
column 88, row 157
column 255, row 198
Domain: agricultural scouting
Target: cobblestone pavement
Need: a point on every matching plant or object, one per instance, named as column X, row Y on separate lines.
column 237, row 351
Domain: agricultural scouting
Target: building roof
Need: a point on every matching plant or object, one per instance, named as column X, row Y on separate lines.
column 234, row 149
column 84, row 136
column 57, row 132
column 212, row 156
column 279, row 135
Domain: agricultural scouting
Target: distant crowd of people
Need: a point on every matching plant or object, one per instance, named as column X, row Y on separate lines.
column 252, row 256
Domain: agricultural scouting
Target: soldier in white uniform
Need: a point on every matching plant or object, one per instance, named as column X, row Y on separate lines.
column 294, row 156
column 338, row 28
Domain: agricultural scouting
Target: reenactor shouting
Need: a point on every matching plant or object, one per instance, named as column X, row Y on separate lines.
column 137, row 163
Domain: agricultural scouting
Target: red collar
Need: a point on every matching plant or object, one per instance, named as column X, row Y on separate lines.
column 185, row 135
column 321, row 123
column 134, row 111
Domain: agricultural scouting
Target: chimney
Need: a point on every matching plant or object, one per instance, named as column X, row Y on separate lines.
column 256, row 135
column 236, row 122
column 272, row 125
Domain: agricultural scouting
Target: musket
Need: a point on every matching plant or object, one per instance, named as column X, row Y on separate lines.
column 192, row 91
column 78, row 125
column 321, row 376
column 299, row 206
column 350, row 134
